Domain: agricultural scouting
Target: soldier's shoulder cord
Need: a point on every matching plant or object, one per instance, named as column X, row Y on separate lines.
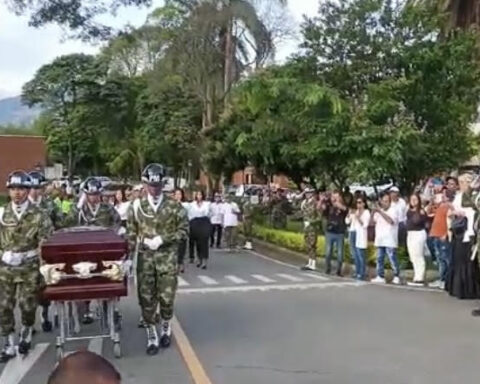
column 137, row 207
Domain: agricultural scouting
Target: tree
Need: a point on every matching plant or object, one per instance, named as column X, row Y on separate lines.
column 379, row 93
column 411, row 90
column 274, row 118
column 64, row 89
column 460, row 13
column 78, row 16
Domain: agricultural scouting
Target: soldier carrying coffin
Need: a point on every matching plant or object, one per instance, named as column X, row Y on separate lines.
column 158, row 223
column 23, row 228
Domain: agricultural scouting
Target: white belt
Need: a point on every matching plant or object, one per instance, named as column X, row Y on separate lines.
column 16, row 259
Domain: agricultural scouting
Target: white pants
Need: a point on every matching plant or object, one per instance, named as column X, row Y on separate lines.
column 416, row 241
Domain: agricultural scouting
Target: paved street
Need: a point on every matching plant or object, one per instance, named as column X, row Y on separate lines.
column 249, row 319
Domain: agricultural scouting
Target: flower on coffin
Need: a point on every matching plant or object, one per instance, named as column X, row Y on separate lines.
column 52, row 273
column 84, row 270
column 114, row 270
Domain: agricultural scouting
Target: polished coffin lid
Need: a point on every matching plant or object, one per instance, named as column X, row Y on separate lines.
column 84, row 244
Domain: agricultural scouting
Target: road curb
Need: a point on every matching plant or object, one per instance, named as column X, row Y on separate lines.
column 282, row 254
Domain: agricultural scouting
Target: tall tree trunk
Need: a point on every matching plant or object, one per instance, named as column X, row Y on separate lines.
column 229, row 59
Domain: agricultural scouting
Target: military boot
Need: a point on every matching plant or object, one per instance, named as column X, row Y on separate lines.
column 166, row 334
column 152, row 340
column 25, row 343
column 47, row 325
column 141, row 323
column 8, row 351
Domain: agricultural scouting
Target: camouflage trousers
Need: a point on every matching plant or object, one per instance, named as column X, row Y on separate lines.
column 310, row 237
column 24, row 281
column 231, row 237
column 157, row 283
column 248, row 229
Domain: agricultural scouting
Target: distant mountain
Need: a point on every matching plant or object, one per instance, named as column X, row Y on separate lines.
column 12, row 111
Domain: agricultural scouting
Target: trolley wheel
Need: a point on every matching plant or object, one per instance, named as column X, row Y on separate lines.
column 59, row 353
column 117, row 350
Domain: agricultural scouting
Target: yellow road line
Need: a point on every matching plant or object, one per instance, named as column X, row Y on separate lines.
column 189, row 356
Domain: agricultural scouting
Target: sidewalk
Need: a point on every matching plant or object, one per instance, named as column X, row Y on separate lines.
column 286, row 255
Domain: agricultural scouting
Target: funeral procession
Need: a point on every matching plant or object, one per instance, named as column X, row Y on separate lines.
column 239, row 191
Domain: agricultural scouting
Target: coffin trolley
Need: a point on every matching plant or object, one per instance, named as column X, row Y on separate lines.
column 85, row 264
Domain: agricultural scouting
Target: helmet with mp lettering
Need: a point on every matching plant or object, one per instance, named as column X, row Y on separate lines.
column 19, row 179
column 38, row 179
column 153, row 175
column 92, row 186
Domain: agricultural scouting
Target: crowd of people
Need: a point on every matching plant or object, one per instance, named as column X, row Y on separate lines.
column 441, row 223
column 159, row 227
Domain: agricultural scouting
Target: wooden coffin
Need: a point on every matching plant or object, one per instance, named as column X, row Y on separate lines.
column 81, row 245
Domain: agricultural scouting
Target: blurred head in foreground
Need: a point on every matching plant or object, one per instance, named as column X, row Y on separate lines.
column 84, row 367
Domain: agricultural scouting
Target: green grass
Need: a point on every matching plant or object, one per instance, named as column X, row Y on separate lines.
column 295, row 242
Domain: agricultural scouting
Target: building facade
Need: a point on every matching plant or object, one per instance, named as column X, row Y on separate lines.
column 20, row 152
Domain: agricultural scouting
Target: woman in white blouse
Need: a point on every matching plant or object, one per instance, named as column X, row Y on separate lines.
column 122, row 205
column 200, row 228
column 359, row 221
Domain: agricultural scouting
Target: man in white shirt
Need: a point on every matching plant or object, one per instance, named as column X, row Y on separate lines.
column 230, row 222
column 386, row 238
column 216, row 218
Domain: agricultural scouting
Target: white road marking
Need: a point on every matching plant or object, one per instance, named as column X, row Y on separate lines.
column 18, row 367
column 317, row 277
column 182, row 282
column 235, row 279
column 264, row 279
column 274, row 261
column 286, row 276
column 207, row 280
column 265, row 288
column 96, row 345
column 401, row 287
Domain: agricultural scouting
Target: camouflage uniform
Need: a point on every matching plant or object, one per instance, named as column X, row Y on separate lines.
column 311, row 219
column 157, row 270
column 51, row 209
column 21, row 235
column 280, row 209
column 106, row 217
column 248, row 210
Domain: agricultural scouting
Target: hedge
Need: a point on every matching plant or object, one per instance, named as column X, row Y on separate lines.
column 295, row 242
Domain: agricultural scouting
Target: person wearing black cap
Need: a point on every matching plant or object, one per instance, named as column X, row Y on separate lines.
column 48, row 207
column 158, row 224
column 23, row 228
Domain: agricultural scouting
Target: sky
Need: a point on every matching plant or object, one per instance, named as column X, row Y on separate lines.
column 25, row 49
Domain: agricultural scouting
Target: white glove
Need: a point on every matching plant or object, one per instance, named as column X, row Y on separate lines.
column 306, row 223
column 157, row 242
column 81, row 201
column 153, row 244
column 10, row 259
column 121, row 231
